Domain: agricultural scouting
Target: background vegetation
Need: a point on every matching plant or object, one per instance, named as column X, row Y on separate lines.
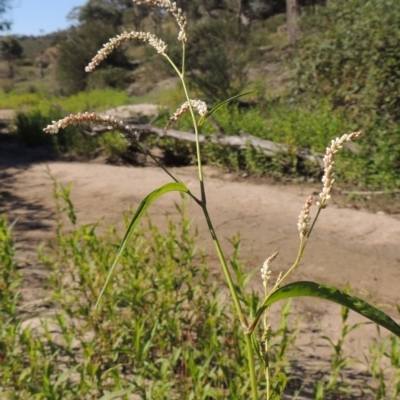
column 342, row 75
column 158, row 335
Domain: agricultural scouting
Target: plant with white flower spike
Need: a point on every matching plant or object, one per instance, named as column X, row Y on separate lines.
column 87, row 118
column 109, row 47
column 174, row 11
column 304, row 218
column 305, row 227
column 329, row 161
column 266, row 269
column 198, row 105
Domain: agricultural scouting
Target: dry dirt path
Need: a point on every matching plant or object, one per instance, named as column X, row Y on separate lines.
column 346, row 246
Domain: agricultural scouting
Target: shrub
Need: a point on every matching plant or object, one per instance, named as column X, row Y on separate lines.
column 217, row 59
column 30, row 128
column 350, row 54
column 30, row 131
column 75, row 53
column 109, row 77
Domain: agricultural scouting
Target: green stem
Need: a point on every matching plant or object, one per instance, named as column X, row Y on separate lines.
column 148, row 152
column 196, row 129
column 303, row 244
column 236, row 301
column 267, row 371
column 203, row 204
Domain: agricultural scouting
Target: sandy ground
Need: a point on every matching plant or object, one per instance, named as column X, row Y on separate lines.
column 347, row 246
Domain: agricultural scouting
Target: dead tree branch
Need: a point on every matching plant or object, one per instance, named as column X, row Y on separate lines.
column 241, row 142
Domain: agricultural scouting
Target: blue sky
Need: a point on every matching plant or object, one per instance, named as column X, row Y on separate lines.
column 37, row 17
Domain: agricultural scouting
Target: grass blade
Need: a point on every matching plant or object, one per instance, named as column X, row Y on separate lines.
column 313, row 289
column 144, row 205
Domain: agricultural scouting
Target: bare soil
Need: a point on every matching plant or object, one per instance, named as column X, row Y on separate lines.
column 352, row 246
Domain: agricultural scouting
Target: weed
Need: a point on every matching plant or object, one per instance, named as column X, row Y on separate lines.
column 158, row 335
column 197, row 370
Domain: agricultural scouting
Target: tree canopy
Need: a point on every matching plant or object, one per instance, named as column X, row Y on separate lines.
column 4, row 23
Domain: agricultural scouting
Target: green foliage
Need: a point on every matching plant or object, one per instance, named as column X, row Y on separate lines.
column 10, row 282
column 10, row 48
column 90, row 100
column 4, row 6
column 280, row 122
column 313, row 289
column 71, row 140
column 104, row 11
column 387, row 379
column 75, row 53
column 140, row 212
column 109, row 77
column 9, row 277
column 350, row 53
column 30, row 124
column 114, row 144
column 156, row 333
column 217, row 60
column 97, row 99
column 30, row 128
column 349, row 57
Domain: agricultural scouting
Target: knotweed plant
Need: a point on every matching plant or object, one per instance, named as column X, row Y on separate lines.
column 272, row 292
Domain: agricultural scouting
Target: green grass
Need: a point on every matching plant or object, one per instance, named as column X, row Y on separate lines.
column 298, row 126
column 95, row 100
column 157, row 332
column 164, row 330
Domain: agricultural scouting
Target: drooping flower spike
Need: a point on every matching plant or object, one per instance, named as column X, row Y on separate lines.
column 329, row 162
column 199, row 105
column 173, row 10
column 117, row 41
column 87, row 118
column 304, row 218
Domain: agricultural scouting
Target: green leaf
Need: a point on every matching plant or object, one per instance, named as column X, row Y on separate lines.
column 218, row 106
column 144, row 205
column 313, row 289
column 279, row 387
column 118, row 393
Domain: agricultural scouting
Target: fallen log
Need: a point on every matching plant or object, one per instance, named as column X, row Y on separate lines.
column 241, row 142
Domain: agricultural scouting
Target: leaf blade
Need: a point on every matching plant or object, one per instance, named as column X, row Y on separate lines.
column 218, row 106
column 333, row 294
column 144, row 205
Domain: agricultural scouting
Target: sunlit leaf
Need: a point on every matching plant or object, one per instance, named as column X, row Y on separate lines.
column 313, row 289
column 116, row 394
column 144, row 205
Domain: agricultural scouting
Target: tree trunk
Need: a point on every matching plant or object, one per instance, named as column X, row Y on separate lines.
column 241, row 17
column 292, row 13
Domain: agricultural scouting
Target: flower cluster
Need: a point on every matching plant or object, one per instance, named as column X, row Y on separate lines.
column 304, row 218
column 174, row 10
column 117, row 41
column 265, row 270
column 199, row 105
column 85, row 118
column 329, row 161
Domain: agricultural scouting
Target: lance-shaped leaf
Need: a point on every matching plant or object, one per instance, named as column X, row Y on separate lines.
column 117, row 394
column 313, row 289
column 218, row 106
column 144, row 205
